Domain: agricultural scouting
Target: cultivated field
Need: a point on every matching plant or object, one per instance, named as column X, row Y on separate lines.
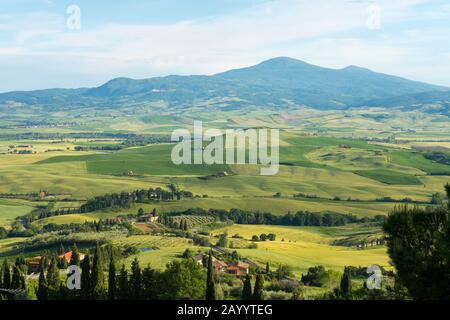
column 328, row 164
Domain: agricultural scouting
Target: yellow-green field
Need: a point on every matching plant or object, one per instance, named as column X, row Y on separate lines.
column 168, row 249
column 66, row 219
column 323, row 168
column 12, row 208
column 304, row 247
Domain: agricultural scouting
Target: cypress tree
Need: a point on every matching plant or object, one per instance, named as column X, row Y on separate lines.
column 123, row 284
column 16, row 282
column 75, row 258
column 135, row 280
column 62, row 250
column 97, row 277
column 346, row 283
column 112, row 278
column 267, row 268
column 148, row 284
column 43, row 264
column 210, row 285
column 53, row 279
column 86, row 277
column 258, row 292
column 6, row 275
column 62, row 263
column 247, row 290
column 42, row 291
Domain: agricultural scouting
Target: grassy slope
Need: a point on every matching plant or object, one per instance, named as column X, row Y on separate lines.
column 390, row 177
column 307, row 246
column 12, row 208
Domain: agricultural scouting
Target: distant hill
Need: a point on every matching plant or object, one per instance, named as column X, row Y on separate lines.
column 276, row 83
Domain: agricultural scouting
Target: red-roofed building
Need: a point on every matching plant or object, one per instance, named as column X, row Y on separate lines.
column 68, row 255
column 238, row 269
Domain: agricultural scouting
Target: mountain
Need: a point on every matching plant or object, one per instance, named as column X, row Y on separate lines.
column 275, row 83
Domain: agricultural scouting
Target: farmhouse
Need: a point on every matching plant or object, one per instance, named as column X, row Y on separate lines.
column 34, row 264
column 148, row 218
column 238, row 269
column 198, row 259
column 68, row 255
column 218, row 265
column 42, row 194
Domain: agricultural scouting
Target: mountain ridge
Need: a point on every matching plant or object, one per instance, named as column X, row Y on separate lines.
column 278, row 82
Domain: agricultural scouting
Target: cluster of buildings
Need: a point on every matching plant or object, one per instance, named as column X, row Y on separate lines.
column 238, row 269
column 151, row 217
column 35, row 262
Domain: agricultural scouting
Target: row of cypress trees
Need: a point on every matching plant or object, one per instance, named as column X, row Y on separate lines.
column 92, row 278
column 12, row 276
column 121, row 285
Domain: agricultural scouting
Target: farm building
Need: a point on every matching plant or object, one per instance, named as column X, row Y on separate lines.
column 238, row 269
column 34, row 264
column 218, row 265
column 148, row 218
column 68, row 255
column 198, row 259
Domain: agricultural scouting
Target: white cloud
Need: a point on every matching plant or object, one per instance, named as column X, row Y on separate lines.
column 312, row 30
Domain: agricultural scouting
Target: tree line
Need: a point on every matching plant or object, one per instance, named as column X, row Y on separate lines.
column 301, row 218
column 125, row 199
column 182, row 279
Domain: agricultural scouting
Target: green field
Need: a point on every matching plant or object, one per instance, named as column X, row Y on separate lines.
column 327, row 171
column 302, row 247
column 390, row 177
column 417, row 160
column 12, row 208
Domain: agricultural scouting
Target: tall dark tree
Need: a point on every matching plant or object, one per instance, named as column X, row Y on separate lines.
column 18, row 281
column 43, row 264
column 149, row 284
column 42, row 291
column 112, row 285
column 6, row 275
column 210, row 284
column 61, row 250
column 86, row 277
column 346, row 283
column 135, row 280
column 247, row 289
column 418, row 242
column 258, row 292
column 123, row 288
column 62, row 263
column 267, row 268
column 75, row 258
column 97, row 275
column 53, row 279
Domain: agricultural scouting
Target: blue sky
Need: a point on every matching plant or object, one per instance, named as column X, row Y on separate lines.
column 145, row 38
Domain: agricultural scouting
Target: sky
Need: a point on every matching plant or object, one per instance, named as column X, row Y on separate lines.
column 84, row 43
